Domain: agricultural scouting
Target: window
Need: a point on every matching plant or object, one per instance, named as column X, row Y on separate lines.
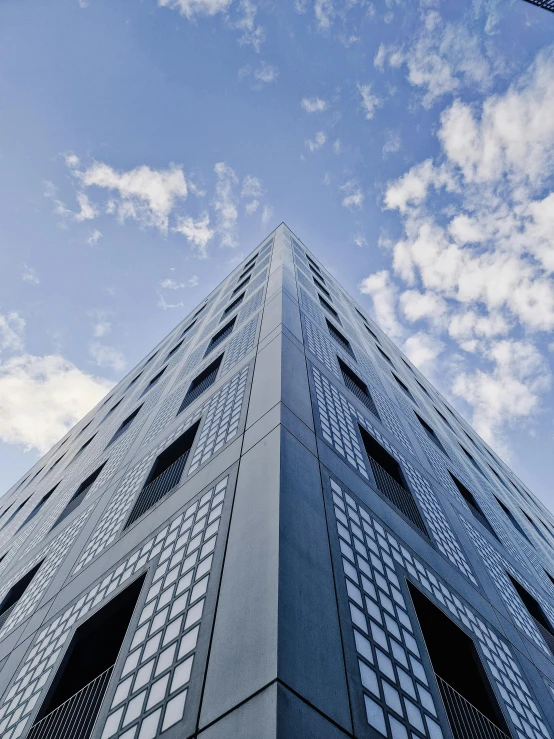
column 535, row 526
column 85, row 445
column 341, row 340
column 188, row 328
column 443, row 418
column 165, row 474
column 250, row 263
column 357, row 386
column 430, row 433
column 389, row 480
column 56, row 463
column 321, row 288
column 515, row 523
column 221, row 335
column 385, row 355
column 14, row 514
column 312, row 264
column 536, row 612
column 328, row 307
column 371, row 332
column 473, row 505
column 125, row 425
column 199, row 311
column 234, row 304
column 38, row 506
column 149, row 359
column 175, row 349
column 402, row 386
column 79, row 495
column 201, row 383
column 15, row 593
column 470, row 702
column 153, row 381
column 112, row 409
column 471, row 459
column 133, row 381
column 80, row 684
column 238, row 288
column 422, row 387
column 246, row 271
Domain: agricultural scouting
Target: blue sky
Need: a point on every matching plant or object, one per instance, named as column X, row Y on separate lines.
column 146, row 147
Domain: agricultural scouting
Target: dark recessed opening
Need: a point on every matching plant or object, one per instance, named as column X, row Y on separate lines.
column 175, row 349
column 15, row 593
column 125, row 425
column 221, row 335
column 320, row 287
column 341, row 340
column 534, row 608
column 371, row 332
column 385, row 355
column 238, row 288
column 79, row 495
column 38, row 506
column 390, row 481
column 456, row 662
column 14, row 514
column 474, row 506
column 188, row 328
column 405, row 389
column 513, row 520
column 199, row 311
column 154, row 380
column 328, row 308
column 357, row 386
column 235, row 304
column 246, row 270
column 430, row 432
column 88, row 661
column 201, row 383
column 313, row 265
column 165, row 474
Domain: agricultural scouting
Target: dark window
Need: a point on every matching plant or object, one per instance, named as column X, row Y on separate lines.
column 250, row 263
column 14, row 514
column 133, row 381
column 536, row 612
column 238, row 288
column 473, row 505
column 385, row 355
column 188, row 328
column 405, row 389
column 85, row 427
column 430, row 433
column 390, row 480
column 165, row 474
column 56, row 463
column 80, row 683
column 550, row 577
column 79, row 495
column 175, row 349
column 246, row 271
column 234, row 304
column 220, row 336
column 371, row 332
column 341, row 340
column 201, row 383
column 149, row 359
column 535, row 526
column 422, row 387
column 469, row 700
column 85, row 445
column 15, row 593
column 357, row 386
column 312, row 264
column 112, row 409
column 321, row 288
column 199, row 311
column 443, row 418
column 125, row 425
column 328, row 307
column 471, row 459
column 359, row 312
column 153, row 381
column 38, row 506
column 515, row 523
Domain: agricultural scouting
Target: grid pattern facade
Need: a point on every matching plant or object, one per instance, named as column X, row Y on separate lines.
column 277, row 562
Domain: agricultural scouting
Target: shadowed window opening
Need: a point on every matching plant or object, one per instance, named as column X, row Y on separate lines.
column 38, row 506
column 201, row 383
column 221, row 335
column 328, row 307
column 174, row 350
column 234, row 304
column 357, row 386
column 153, row 381
column 474, row 506
column 125, row 425
column 430, row 433
column 341, row 340
column 320, row 287
column 468, row 697
column 15, row 593
column 513, row 520
column 405, row 389
column 79, row 495
column 238, row 288
column 536, row 612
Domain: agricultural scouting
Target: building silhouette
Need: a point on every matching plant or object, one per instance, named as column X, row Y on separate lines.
column 275, row 526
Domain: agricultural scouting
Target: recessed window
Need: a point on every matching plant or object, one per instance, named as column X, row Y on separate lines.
column 150, row 359
column 246, row 271
column 79, row 495
column 201, row 383
column 536, row 612
column 77, row 691
column 174, row 350
column 37, row 508
column 133, row 381
column 341, row 340
column 422, row 387
column 535, row 526
column 14, row 514
column 513, row 520
column 384, row 355
column 371, row 332
column 250, row 263
column 89, row 441
column 15, row 593
column 153, row 381
column 238, row 288
column 220, row 336
column 328, row 307
column 165, row 474
column 56, row 463
column 403, row 387
column 470, row 702
column 112, row 409
column 430, row 433
column 443, row 418
column 357, row 386
column 199, row 311
column 188, row 328
column 235, row 304
column 125, row 425
column 320, row 287
column 471, row 459
column 473, row 505
column 312, row 264
column 390, row 481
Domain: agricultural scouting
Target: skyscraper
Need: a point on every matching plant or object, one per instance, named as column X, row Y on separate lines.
column 274, row 526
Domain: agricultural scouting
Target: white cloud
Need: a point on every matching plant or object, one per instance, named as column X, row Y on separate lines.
column 87, row 210
column 369, row 101
column 42, row 397
column 359, row 239
column 262, row 75
column 353, row 195
column 192, row 8
column 144, row 194
column 107, row 356
column 164, row 305
column 101, row 326
column 416, row 305
column 171, row 284
column 252, row 34
column 317, row 142
column 383, row 293
column 30, row 275
column 253, row 191
column 198, row 232
column 314, row 105
column 324, row 11
column 423, row 349
column 337, row 146
column 267, row 214
column 225, row 204
column 12, row 326
column 94, row 237
column 392, row 143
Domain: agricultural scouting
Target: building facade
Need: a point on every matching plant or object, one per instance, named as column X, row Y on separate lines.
column 275, row 526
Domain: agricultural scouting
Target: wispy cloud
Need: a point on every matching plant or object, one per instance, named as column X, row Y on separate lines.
column 352, row 195
column 370, row 102
column 314, row 104
column 30, row 275
column 317, row 142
